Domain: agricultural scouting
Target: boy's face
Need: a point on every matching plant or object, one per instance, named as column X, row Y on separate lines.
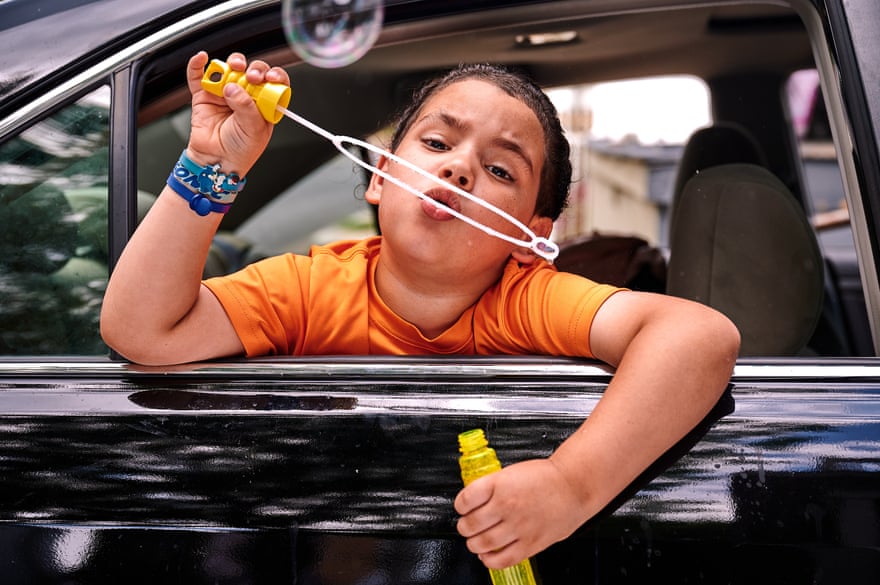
column 477, row 137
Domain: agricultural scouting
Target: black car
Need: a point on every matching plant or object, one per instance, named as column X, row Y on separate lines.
column 343, row 469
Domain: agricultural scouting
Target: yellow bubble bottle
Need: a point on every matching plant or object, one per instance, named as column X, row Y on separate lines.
column 478, row 459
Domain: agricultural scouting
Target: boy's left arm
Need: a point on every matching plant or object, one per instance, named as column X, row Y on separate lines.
column 674, row 359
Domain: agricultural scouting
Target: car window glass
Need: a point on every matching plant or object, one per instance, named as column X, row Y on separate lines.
column 53, row 231
column 628, row 139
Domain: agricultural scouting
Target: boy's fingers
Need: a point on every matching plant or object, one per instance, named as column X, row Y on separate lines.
column 503, row 558
column 473, row 496
column 256, row 71
column 492, row 539
column 477, row 518
column 195, row 69
column 471, row 527
column 278, row 75
column 237, row 61
column 241, row 103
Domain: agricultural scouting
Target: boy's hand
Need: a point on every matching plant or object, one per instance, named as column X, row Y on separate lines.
column 229, row 129
column 517, row 512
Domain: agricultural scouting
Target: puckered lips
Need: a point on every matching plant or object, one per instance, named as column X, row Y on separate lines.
column 444, row 196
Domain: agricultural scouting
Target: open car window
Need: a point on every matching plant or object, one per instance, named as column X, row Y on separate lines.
column 627, row 138
column 629, row 171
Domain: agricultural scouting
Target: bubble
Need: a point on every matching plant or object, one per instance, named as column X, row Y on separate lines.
column 331, row 33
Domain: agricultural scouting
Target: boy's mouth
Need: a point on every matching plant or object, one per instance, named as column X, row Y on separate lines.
column 447, row 198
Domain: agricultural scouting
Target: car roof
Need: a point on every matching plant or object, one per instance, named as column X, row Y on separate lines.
column 613, row 40
column 45, row 36
column 42, row 38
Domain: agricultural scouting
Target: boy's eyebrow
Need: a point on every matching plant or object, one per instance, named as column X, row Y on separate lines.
column 516, row 148
column 458, row 124
column 446, row 118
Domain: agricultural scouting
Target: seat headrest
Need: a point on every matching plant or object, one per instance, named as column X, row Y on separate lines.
column 743, row 245
column 719, row 144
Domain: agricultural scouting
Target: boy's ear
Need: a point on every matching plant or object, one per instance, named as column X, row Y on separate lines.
column 542, row 226
column 374, row 189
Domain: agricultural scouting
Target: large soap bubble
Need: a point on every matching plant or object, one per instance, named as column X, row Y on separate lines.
column 331, row 33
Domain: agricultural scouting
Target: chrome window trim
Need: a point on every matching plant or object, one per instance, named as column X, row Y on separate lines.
column 843, row 142
column 280, row 369
column 557, row 389
column 414, row 368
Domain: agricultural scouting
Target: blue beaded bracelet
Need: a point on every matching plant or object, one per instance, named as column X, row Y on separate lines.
column 197, row 202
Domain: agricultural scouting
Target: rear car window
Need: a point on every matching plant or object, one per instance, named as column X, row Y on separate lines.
column 53, row 245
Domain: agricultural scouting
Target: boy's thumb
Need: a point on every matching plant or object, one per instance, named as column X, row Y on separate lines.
column 473, row 496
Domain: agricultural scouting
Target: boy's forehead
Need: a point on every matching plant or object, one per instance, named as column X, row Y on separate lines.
column 462, row 99
column 464, row 88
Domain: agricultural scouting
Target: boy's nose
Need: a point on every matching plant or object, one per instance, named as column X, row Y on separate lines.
column 455, row 176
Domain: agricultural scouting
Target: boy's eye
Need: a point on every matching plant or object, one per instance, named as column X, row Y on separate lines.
column 500, row 172
column 435, row 144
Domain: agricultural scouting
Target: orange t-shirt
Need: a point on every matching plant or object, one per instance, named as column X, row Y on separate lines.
column 326, row 303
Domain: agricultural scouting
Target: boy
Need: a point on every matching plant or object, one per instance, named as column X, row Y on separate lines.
column 433, row 284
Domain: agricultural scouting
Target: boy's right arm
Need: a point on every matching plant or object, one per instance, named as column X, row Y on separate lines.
column 156, row 310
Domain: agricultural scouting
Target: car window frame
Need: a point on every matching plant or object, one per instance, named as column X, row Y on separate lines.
column 849, row 120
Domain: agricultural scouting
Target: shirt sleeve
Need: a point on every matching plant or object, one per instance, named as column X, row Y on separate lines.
column 538, row 310
column 265, row 303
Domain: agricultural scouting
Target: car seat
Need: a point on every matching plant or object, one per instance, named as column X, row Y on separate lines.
column 742, row 244
column 632, row 262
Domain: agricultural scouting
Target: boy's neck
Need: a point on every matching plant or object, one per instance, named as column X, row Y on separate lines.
column 431, row 304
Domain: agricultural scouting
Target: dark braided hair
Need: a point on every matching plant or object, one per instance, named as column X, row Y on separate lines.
column 556, row 171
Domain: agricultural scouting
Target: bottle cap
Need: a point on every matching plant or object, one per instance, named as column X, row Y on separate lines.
column 472, row 440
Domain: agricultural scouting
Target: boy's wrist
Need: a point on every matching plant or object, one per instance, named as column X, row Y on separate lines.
column 227, row 165
column 576, row 485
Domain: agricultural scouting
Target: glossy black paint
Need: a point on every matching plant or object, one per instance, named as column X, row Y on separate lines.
column 88, row 554
column 352, row 479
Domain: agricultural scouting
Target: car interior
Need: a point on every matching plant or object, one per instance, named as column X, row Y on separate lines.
column 771, row 247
